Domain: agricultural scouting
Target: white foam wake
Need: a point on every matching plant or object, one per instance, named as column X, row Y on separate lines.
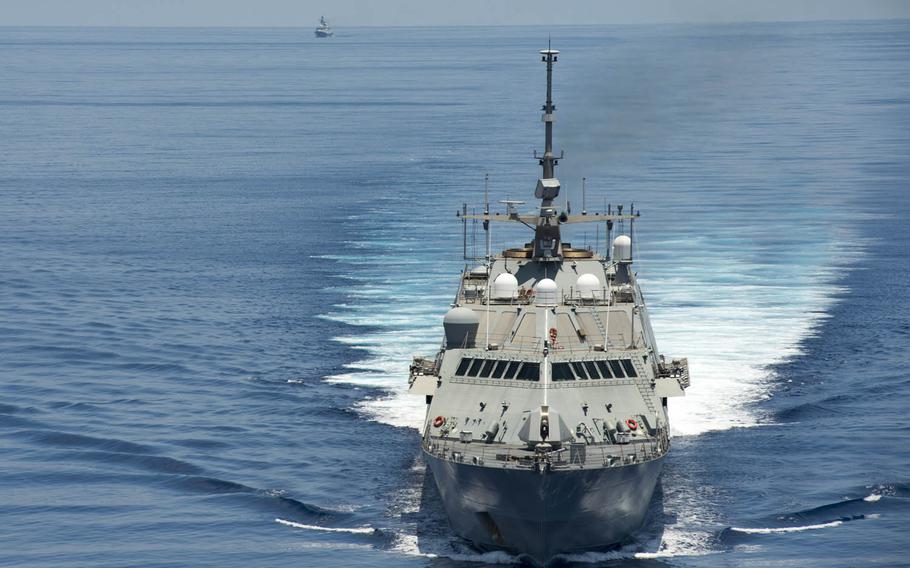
column 407, row 544
column 777, row 530
column 355, row 530
column 729, row 315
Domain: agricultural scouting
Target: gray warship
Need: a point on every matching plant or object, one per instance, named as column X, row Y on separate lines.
column 323, row 30
column 546, row 424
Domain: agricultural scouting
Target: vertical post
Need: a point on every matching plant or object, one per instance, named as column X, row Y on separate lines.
column 584, row 209
column 489, row 260
column 464, row 230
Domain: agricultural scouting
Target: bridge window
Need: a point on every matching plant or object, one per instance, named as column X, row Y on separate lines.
column 592, row 369
column 616, row 367
column 604, row 369
column 561, row 372
column 499, row 369
column 475, row 367
column 485, row 370
column 529, row 372
column 579, row 370
column 629, row 367
column 513, row 368
column 463, row 366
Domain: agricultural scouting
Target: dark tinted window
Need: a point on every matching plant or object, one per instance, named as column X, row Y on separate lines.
column 498, row 369
column 604, row 369
column 617, row 369
column 529, row 372
column 592, row 369
column 561, row 372
column 485, row 370
column 513, row 368
column 463, row 366
column 579, row 370
column 629, row 367
column 475, row 366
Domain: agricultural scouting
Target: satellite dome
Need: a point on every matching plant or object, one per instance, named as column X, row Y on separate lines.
column 588, row 286
column 505, row 287
column 546, row 293
column 460, row 325
column 622, row 249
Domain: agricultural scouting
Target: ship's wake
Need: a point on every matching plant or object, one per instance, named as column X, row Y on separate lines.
column 732, row 316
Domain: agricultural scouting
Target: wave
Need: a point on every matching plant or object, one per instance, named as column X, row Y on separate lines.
column 356, row 530
column 827, row 516
column 788, row 529
column 66, row 439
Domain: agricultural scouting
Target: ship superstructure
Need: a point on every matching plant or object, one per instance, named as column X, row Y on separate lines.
column 546, row 421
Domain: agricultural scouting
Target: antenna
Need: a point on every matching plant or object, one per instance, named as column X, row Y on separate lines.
column 584, row 210
column 548, row 160
column 486, row 211
column 547, row 240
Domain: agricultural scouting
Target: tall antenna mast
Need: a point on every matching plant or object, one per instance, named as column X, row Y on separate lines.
column 548, row 160
column 547, row 241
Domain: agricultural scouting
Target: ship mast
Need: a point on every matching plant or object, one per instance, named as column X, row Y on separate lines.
column 547, row 246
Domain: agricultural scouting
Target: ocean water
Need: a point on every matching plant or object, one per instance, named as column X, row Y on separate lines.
column 221, row 247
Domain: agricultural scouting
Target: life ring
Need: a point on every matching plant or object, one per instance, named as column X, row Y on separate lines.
column 438, row 421
column 632, row 424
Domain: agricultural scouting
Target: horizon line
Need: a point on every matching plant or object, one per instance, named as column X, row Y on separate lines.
column 400, row 26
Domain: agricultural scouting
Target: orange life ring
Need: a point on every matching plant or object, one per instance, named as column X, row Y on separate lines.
column 438, row 421
column 632, row 424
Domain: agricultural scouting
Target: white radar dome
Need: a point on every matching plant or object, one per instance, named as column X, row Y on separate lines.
column 622, row 248
column 546, row 293
column 588, row 286
column 460, row 325
column 505, row 287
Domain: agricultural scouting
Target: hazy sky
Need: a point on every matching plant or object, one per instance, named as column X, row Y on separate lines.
column 431, row 12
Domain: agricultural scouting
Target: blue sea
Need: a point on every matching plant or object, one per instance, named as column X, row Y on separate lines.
column 221, row 247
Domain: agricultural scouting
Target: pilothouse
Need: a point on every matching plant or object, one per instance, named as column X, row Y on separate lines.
column 546, row 422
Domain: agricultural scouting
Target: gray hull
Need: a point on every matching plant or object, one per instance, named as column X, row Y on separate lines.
column 542, row 515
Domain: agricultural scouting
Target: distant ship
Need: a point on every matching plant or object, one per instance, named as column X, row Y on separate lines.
column 324, row 30
column 546, row 423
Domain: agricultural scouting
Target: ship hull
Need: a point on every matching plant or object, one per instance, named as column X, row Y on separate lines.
column 323, row 34
column 542, row 515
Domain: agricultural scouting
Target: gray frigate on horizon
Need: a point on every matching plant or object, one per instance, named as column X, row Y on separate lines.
column 546, row 422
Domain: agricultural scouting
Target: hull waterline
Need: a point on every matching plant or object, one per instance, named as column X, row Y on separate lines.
column 541, row 515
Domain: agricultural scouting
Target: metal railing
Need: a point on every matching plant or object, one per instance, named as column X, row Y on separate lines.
column 576, row 455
